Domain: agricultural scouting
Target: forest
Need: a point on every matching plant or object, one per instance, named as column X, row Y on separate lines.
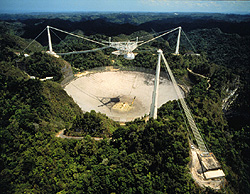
column 138, row 157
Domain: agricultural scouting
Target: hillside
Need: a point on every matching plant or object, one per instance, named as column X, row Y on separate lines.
column 140, row 157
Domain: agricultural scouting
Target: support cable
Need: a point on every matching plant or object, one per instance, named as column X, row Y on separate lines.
column 158, row 36
column 192, row 124
column 34, row 40
column 79, row 52
column 57, row 36
column 184, row 119
column 189, row 41
column 153, row 34
column 61, row 40
column 78, row 36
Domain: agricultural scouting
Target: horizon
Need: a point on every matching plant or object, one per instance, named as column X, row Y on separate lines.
column 117, row 12
column 128, row 6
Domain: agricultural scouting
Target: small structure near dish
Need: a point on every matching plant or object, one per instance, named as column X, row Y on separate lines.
column 208, row 161
column 122, row 106
column 212, row 174
column 210, row 166
column 205, row 169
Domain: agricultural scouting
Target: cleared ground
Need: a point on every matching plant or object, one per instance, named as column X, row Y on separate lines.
column 102, row 91
column 196, row 172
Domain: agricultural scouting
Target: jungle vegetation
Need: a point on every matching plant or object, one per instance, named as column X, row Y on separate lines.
column 139, row 157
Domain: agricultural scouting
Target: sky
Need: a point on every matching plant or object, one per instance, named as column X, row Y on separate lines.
column 219, row 6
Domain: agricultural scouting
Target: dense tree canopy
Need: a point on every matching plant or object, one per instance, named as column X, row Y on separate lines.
column 139, row 157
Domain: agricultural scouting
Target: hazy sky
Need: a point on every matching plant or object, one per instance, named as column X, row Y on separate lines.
column 19, row 6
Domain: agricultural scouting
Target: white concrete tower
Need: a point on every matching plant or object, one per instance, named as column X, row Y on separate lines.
column 49, row 39
column 153, row 109
column 178, row 42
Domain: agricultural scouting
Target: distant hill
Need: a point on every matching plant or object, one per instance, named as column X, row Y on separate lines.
column 112, row 24
column 123, row 17
column 140, row 157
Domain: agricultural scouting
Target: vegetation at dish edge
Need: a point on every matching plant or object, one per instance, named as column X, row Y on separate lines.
column 141, row 157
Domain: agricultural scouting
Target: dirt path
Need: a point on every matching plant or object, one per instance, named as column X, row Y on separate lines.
column 208, row 79
column 194, row 167
column 60, row 134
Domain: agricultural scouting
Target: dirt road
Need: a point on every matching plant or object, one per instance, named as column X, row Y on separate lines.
column 60, row 134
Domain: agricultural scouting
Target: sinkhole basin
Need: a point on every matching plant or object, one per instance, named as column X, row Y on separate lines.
column 122, row 95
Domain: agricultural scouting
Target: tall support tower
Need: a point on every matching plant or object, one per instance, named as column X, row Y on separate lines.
column 50, row 51
column 49, row 39
column 178, row 42
column 153, row 110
